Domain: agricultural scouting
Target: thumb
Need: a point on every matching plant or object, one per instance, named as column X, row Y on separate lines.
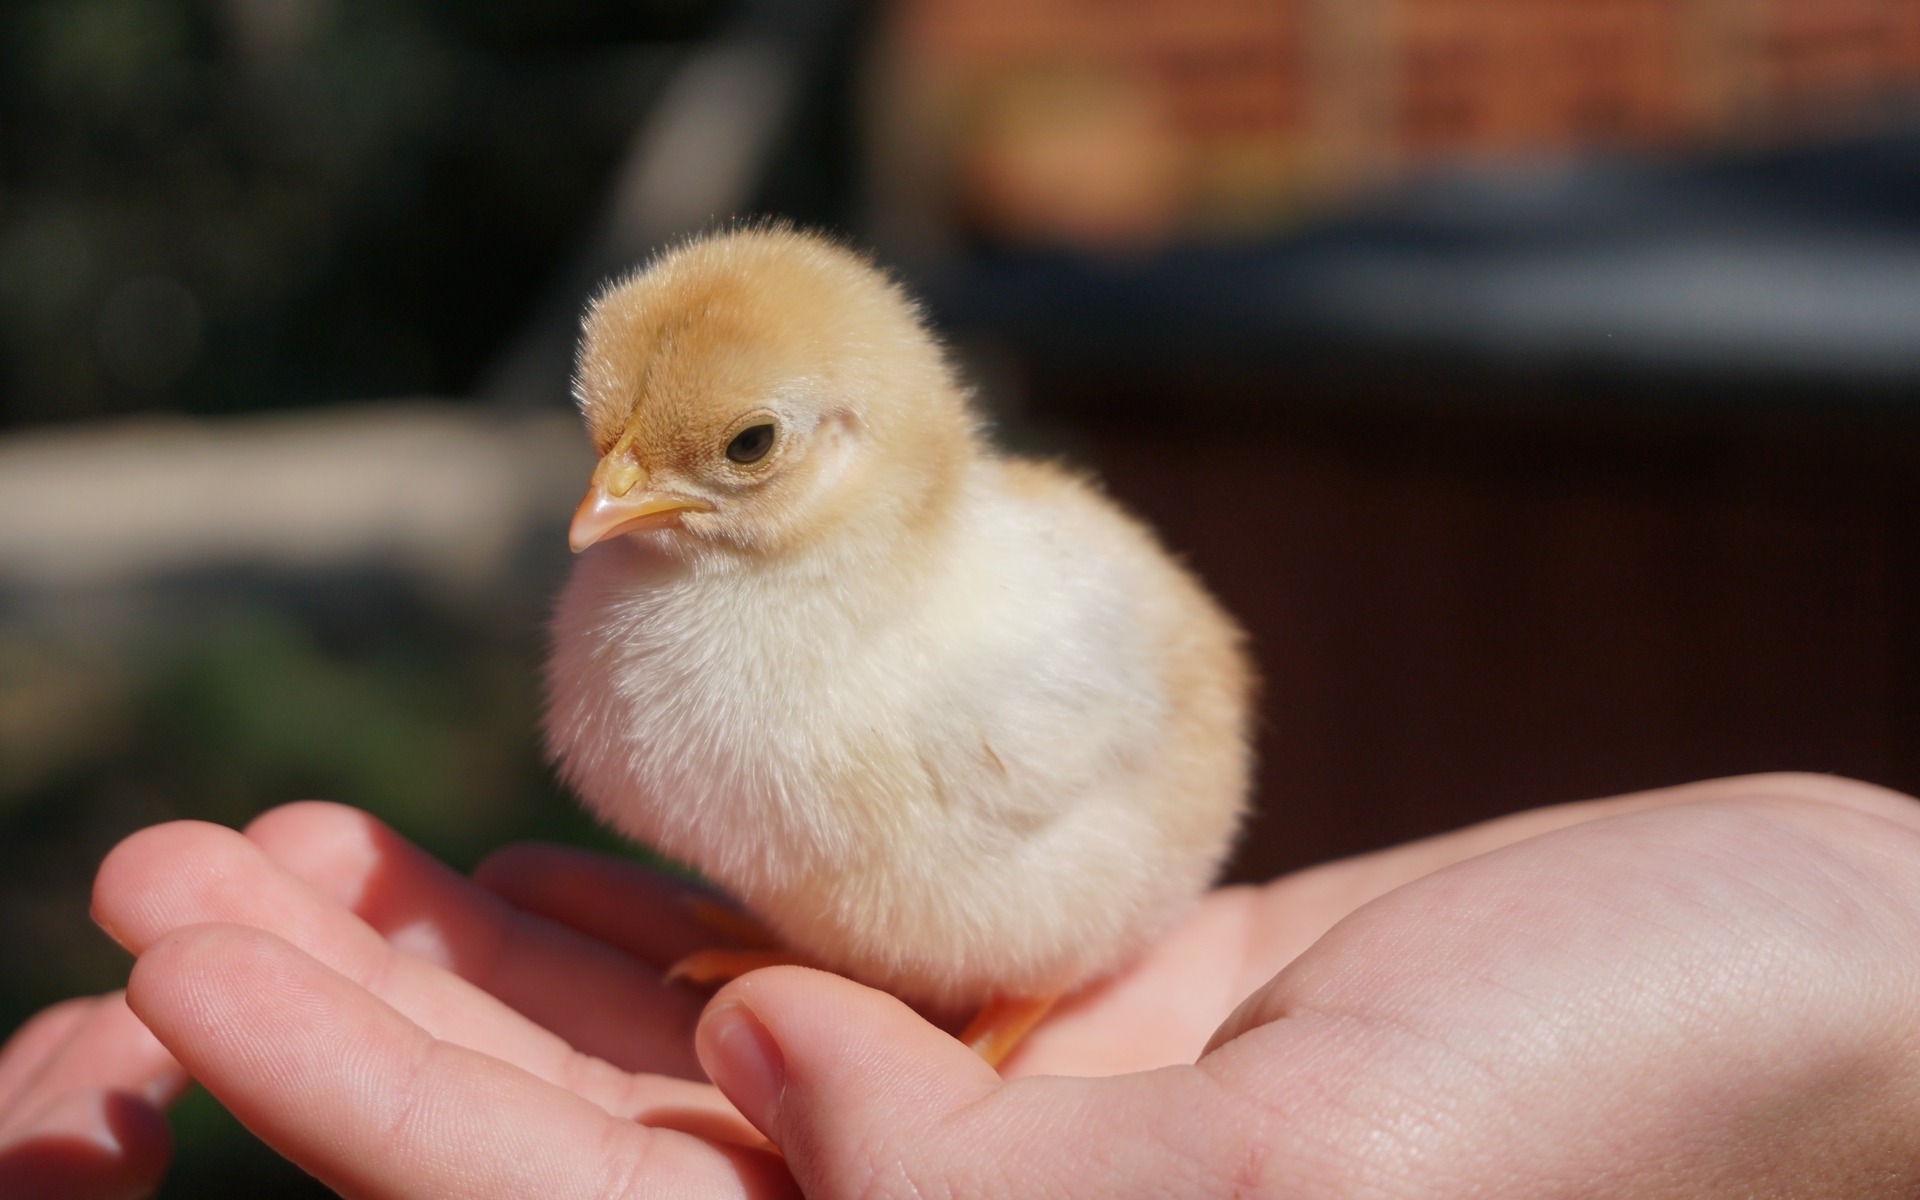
column 844, row 1079
column 866, row 1099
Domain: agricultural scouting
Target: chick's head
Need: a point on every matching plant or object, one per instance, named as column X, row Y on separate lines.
column 759, row 388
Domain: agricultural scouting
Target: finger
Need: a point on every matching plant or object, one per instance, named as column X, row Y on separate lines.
column 373, row 1105
column 82, row 1086
column 801, row 1053
column 186, row 873
column 1380, row 872
column 865, row 1098
column 37, row 1041
column 646, row 913
column 1294, row 911
column 102, row 1047
column 600, row 1000
column 88, row 1145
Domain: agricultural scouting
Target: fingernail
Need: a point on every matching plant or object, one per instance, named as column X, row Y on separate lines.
column 745, row 1062
column 107, row 927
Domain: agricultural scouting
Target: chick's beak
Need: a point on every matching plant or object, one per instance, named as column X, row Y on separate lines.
column 618, row 501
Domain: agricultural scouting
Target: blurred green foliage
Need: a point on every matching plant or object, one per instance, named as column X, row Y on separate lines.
column 228, row 204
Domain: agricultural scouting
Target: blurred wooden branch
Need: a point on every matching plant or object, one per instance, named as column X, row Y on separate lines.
column 440, row 494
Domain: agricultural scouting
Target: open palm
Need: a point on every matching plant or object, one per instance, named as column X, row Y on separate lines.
column 400, row 1030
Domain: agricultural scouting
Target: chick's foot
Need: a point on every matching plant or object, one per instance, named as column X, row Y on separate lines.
column 754, row 946
column 731, row 923
column 1003, row 1023
column 708, row 968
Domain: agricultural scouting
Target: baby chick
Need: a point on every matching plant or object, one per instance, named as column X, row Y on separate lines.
column 946, row 722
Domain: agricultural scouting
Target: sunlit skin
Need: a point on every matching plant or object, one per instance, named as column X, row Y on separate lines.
column 1699, row 993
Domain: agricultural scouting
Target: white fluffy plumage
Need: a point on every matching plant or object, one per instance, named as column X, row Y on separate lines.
column 947, row 722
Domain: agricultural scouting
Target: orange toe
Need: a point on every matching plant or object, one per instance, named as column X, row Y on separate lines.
column 730, row 923
column 706, row 968
column 1003, row 1023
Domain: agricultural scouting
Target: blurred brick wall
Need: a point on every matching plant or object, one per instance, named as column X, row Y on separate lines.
column 1836, row 50
column 1268, row 106
column 1522, row 74
column 1227, row 67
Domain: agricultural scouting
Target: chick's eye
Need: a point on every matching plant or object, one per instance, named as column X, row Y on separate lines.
column 751, row 444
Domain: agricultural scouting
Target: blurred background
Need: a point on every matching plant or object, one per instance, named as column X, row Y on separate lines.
column 1537, row 379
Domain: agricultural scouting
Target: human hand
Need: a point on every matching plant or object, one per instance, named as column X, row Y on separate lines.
column 83, row 1083
column 330, row 955
column 82, row 1088
column 1707, row 992
column 1367, row 1056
